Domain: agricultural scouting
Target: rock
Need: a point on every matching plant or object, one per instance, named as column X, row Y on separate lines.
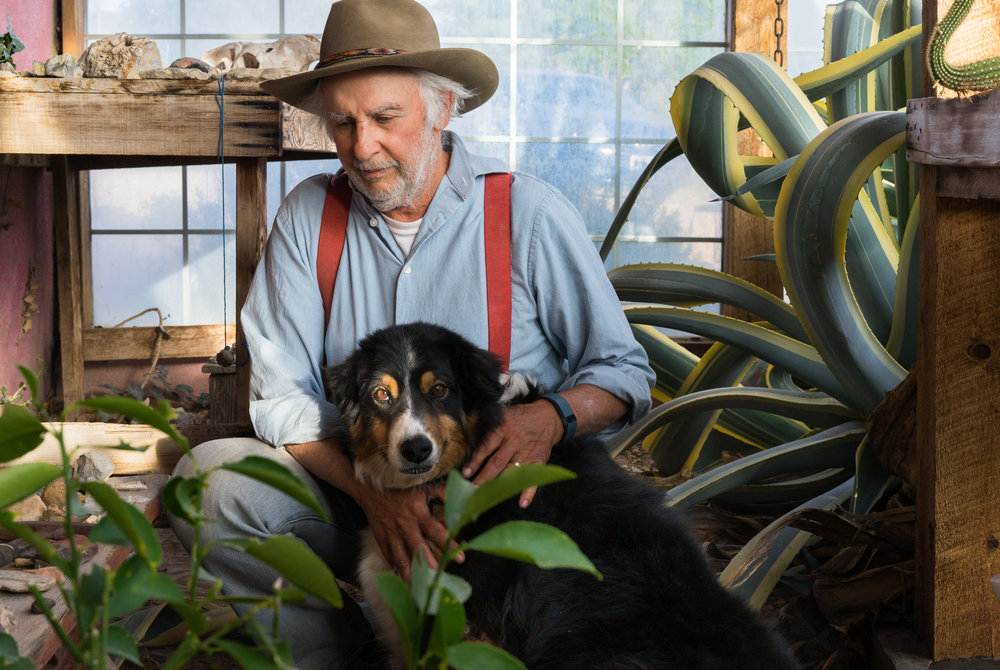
column 54, row 495
column 187, row 63
column 93, row 466
column 38, row 68
column 19, row 581
column 295, row 52
column 7, row 620
column 243, row 73
column 174, row 73
column 63, row 65
column 122, row 56
column 30, row 509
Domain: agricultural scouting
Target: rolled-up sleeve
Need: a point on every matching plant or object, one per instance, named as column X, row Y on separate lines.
column 283, row 324
column 581, row 313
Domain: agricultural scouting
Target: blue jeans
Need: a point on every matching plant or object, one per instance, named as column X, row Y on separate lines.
column 238, row 506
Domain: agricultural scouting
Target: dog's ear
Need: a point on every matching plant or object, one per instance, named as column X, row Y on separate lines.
column 341, row 383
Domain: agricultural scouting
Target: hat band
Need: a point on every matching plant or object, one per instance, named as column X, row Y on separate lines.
column 356, row 53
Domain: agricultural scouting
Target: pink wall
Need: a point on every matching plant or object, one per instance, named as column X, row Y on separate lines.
column 33, row 21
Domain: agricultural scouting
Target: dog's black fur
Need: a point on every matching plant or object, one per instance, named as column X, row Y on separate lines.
column 658, row 606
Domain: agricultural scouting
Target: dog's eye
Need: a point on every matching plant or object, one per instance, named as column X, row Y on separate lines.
column 382, row 394
column 439, row 390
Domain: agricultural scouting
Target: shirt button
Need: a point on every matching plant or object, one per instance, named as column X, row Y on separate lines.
column 373, row 222
column 406, row 269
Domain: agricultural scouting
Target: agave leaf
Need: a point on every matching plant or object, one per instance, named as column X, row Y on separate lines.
column 671, row 362
column 758, row 566
column 902, row 344
column 832, row 448
column 786, row 491
column 670, row 151
column 688, row 285
column 871, row 481
column 800, row 359
column 811, row 229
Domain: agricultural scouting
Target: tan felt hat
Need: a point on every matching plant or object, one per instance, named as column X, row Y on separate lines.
column 362, row 34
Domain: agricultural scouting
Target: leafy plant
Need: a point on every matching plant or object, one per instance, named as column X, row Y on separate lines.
column 96, row 597
column 429, row 612
column 775, row 410
column 9, row 45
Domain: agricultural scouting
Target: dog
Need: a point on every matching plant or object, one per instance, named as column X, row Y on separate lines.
column 416, row 400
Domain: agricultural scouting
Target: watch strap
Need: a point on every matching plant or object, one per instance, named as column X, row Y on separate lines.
column 566, row 415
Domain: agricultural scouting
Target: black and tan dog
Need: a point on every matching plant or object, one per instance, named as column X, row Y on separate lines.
column 417, row 399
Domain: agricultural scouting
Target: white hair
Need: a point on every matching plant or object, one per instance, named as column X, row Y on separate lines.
column 435, row 92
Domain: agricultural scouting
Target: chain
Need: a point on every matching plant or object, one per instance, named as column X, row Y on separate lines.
column 779, row 31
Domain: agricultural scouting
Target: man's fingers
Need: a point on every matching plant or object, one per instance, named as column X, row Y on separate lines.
column 485, row 449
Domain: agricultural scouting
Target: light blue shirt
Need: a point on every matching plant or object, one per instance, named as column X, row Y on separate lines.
column 568, row 327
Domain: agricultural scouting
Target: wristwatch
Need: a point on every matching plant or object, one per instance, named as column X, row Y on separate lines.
column 566, row 415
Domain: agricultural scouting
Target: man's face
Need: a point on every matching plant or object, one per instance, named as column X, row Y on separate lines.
column 389, row 150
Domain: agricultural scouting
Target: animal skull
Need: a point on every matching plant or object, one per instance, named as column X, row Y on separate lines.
column 295, row 52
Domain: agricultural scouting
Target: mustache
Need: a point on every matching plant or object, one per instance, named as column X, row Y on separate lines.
column 374, row 164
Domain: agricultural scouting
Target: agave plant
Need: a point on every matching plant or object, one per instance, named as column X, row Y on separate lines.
column 789, row 394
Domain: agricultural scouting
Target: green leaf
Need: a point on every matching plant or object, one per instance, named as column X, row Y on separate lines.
column 536, row 543
column 180, row 497
column 120, row 643
column 277, row 476
column 449, row 624
column 248, row 657
column 31, row 380
column 294, row 561
column 481, row 656
column 133, row 584
column 20, row 432
column 457, row 492
column 396, row 594
column 20, row 481
column 136, row 527
column 508, row 484
column 422, row 580
column 831, row 448
column 10, row 659
column 157, row 417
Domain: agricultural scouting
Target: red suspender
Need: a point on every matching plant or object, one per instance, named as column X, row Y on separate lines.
column 496, row 213
column 332, row 233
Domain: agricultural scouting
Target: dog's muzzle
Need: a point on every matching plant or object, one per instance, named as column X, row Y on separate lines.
column 416, row 451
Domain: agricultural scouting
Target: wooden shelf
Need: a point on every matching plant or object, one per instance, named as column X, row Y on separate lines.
column 82, row 124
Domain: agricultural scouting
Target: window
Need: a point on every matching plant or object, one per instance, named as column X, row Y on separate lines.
column 583, row 103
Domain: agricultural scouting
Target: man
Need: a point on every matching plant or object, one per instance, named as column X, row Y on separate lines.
column 413, row 250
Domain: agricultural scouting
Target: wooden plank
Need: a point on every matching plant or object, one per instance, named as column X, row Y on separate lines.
column 66, row 222
column 118, row 124
column 133, row 87
column 120, row 344
column 160, row 457
column 743, row 234
column 968, row 182
column 251, row 234
column 959, row 427
column 954, row 131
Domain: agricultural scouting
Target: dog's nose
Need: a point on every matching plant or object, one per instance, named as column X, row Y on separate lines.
column 416, row 449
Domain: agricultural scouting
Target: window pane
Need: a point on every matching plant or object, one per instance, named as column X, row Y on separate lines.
column 135, row 272
column 566, row 91
column 137, row 199
column 470, row 18
column 234, row 16
column 703, row 254
column 138, row 17
column 584, row 173
column 493, row 118
column 568, row 19
column 679, row 20
column 674, row 203
column 205, row 268
column 204, row 196
column 305, row 17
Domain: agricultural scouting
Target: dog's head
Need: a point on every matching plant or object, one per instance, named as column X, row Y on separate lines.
column 415, row 400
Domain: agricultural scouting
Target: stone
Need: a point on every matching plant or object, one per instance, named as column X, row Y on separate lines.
column 244, row 73
column 30, row 509
column 7, row 620
column 7, row 67
column 20, row 581
column 188, row 63
column 174, row 73
column 38, row 68
column 93, row 466
column 64, row 66
column 121, row 56
column 295, row 52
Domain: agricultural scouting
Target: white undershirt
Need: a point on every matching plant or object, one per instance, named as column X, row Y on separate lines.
column 404, row 232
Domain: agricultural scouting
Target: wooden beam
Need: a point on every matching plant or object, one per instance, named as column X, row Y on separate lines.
column 66, row 221
column 251, row 234
column 122, row 344
column 160, row 456
column 743, row 234
column 71, row 27
column 933, row 138
column 162, row 119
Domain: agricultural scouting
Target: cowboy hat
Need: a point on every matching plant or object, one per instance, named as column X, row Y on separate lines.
column 362, row 34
